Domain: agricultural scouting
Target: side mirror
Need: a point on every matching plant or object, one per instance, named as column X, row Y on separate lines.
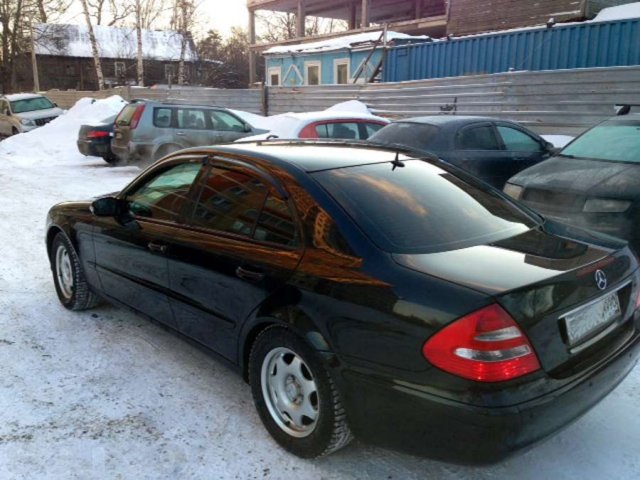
column 55, row 104
column 551, row 148
column 106, row 207
column 248, row 128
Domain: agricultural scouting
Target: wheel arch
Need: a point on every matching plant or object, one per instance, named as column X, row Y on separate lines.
column 52, row 231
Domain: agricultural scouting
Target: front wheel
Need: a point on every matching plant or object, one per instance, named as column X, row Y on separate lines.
column 295, row 396
column 71, row 285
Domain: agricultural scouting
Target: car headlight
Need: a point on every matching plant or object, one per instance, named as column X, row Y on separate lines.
column 27, row 122
column 605, row 205
column 513, row 190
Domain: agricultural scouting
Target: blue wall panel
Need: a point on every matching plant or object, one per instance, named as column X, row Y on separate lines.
column 584, row 45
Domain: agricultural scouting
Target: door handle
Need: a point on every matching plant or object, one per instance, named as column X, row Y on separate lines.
column 180, row 134
column 157, row 247
column 249, row 275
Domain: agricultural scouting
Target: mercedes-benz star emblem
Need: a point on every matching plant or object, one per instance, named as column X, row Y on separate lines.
column 601, row 279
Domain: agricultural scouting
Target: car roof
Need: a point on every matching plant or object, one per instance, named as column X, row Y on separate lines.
column 175, row 104
column 21, row 96
column 441, row 120
column 334, row 115
column 313, row 155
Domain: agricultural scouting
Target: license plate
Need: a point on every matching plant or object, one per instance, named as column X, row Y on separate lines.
column 591, row 318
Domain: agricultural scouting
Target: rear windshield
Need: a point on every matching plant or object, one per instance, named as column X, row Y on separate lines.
column 415, row 135
column 420, row 208
column 31, row 104
column 124, row 119
column 616, row 140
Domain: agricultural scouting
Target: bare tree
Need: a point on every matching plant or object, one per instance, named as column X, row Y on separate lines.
column 109, row 12
column 94, row 45
column 275, row 27
column 183, row 20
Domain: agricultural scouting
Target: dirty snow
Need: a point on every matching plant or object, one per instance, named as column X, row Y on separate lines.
column 621, row 12
column 106, row 394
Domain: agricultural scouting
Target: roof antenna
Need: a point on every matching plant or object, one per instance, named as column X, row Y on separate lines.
column 397, row 162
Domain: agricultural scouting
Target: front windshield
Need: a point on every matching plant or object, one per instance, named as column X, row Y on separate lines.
column 31, row 104
column 421, row 208
column 615, row 140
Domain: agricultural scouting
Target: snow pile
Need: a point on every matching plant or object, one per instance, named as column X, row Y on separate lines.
column 621, row 12
column 558, row 141
column 56, row 141
column 351, row 106
column 346, row 42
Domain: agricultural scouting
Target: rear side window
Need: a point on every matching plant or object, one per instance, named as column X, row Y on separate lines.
column 191, row 119
column 421, row 208
column 275, row 224
column 338, row 130
column 414, row 135
column 162, row 117
column 478, row 138
column 230, row 201
column 517, row 141
column 163, row 196
column 125, row 116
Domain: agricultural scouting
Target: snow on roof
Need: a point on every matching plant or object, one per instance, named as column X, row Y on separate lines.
column 346, row 42
column 21, row 96
column 621, row 12
column 73, row 41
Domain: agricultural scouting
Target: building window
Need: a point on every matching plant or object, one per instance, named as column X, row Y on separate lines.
column 341, row 71
column 312, row 73
column 169, row 72
column 120, row 69
column 274, row 76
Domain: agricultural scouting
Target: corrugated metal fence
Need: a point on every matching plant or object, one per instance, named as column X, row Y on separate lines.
column 582, row 45
column 562, row 101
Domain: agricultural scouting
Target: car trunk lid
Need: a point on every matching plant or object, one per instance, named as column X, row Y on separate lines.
column 551, row 287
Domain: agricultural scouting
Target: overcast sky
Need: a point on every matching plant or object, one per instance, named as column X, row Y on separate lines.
column 218, row 14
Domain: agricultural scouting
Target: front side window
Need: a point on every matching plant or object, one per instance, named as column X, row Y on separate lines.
column 338, row 130
column 225, row 122
column 421, row 208
column 31, row 104
column 517, row 141
column 370, row 129
column 615, row 140
column 163, row 197
column 478, row 138
column 230, row 201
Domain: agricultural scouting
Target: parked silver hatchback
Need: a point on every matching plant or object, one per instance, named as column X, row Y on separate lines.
column 146, row 131
column 22, row 112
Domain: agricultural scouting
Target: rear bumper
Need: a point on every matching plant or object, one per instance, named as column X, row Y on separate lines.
column 403, row 417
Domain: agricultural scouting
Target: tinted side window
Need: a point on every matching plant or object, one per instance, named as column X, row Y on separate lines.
column 163, row 196
column 162, row 117
column 276, row 223
column 370, row 129
column 190, row 118
column 415, row 135
column 478, row 138
column 225, row 122
column 518, row 141
column 230, row 201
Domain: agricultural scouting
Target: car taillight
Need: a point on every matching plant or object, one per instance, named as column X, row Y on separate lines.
column 136, row 117
column 486, row 346
column 97, row 134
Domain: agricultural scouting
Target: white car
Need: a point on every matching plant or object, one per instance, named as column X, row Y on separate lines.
column 22, row 112
column 323, row 124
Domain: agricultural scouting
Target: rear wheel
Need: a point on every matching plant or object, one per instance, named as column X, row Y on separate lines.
column 14, row 131
column 295, row 396
column 71, row 285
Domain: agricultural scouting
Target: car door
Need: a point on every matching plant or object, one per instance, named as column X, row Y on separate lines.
column 522, row 149
column 192, row 127
column 239, row 246
column 478, row 150
column 130, row 249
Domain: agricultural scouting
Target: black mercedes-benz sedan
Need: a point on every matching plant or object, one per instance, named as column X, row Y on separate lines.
column 489, row 148
column 594, row 182
column 362, row 291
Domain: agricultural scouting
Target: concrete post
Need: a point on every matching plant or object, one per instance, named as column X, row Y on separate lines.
column 252, row 42
column 300, row 19
column 364, row 21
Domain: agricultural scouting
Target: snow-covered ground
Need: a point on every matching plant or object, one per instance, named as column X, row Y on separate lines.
column 106, row 394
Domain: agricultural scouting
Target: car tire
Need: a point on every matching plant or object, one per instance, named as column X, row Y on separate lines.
column 111, row 159
column 14, row 131
column 71, row 285
column 295, row 395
